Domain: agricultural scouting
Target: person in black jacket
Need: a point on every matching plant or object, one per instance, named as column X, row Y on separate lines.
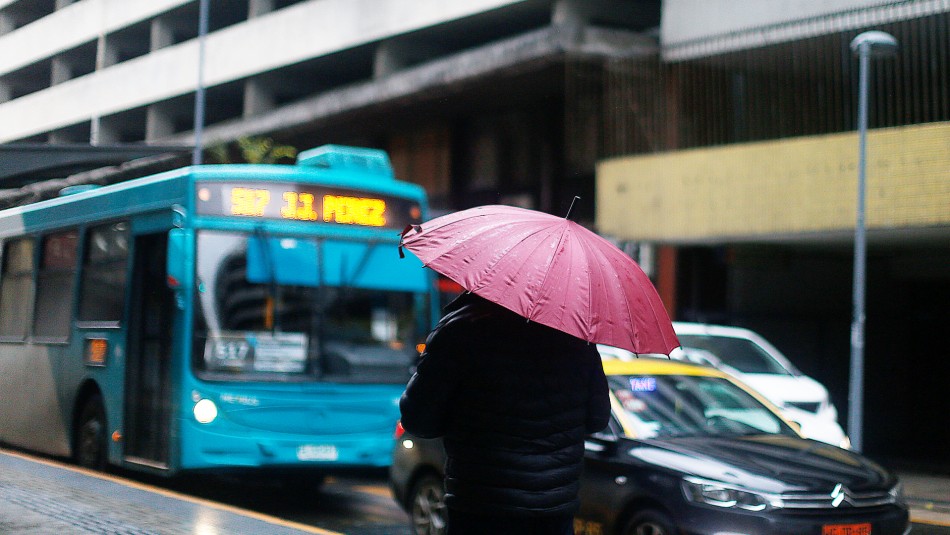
column 513, row 401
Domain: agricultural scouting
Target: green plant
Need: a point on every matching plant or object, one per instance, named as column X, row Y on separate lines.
column 252, row 149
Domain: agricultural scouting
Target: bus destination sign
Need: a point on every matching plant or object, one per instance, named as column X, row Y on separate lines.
column 305, row 202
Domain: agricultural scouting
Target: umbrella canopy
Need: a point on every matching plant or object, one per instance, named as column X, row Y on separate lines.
column 550, row 270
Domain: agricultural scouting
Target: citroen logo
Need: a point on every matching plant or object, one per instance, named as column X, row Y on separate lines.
column 839, row 495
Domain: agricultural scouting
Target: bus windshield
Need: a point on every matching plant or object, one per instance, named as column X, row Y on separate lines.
column 301, row 309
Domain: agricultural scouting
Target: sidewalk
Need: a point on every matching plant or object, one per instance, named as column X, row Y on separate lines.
column 928, row 497
column 42, row 497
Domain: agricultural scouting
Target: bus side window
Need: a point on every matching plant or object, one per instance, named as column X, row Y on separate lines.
column 102, row 290
column 55, row 286
column 16, row 289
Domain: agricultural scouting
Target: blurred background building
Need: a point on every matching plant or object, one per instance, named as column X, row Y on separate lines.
column 714, row 140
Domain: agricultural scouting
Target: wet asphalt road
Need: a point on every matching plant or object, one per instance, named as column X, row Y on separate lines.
column 359, row 505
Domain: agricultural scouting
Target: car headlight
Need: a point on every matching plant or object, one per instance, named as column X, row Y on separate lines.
column 727, row 496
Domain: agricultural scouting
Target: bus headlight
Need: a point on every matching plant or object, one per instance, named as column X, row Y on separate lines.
column 205, row 411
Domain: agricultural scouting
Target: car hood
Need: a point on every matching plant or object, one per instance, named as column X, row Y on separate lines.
column 780, row 389
column 769, row 463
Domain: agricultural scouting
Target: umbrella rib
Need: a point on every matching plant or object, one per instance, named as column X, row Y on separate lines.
column 637, row 280
column 547, row 271
column 591, row 252
column 629, row 309
column 446, row 248
column 477, row 283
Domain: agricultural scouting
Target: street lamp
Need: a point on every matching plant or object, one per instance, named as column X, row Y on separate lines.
column 203, row 8
column 873, row 44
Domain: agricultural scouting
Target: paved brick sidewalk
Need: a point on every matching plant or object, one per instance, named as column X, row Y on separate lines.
column 41, row 498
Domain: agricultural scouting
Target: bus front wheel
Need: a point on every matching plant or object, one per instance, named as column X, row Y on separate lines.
column 90, row 440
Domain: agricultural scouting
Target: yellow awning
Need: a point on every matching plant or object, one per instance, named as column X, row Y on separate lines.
column 778, row 189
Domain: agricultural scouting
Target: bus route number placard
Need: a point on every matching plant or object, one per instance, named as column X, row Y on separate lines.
column 298, row 202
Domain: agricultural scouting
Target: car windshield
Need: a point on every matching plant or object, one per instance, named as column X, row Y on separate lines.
column 657, row 406
column 739, row 354
column 264, row 315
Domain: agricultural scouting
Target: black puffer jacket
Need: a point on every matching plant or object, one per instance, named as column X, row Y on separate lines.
column 513, row 400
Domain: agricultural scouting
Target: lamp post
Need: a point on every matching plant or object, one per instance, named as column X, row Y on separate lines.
column 873, row 44
column 203, row 8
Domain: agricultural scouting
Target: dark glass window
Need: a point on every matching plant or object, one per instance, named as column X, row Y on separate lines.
column 102, row 297
column 740, row 354
column 55, row 286
column 16, row 289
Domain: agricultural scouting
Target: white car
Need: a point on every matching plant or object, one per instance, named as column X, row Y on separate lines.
column 753, row 360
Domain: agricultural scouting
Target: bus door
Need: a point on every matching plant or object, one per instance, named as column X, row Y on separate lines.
column 148, row 364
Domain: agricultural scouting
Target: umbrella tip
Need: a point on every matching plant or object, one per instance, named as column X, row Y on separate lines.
column 571, row 209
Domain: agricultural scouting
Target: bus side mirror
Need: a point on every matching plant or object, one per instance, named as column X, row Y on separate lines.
column 179, row 266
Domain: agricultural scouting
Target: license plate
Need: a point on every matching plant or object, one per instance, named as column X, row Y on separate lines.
column 846, row 529
column 317, row 452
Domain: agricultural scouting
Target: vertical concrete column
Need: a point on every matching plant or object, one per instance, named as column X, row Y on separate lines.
column 58, row 137
column 388, row 58
column 258, row 98
column 391, row 56
column 7, row 24
column 574, row 13
column 158, row 122
column 6, row 91
column 95, row 127
column 570, row 17
column 107, row 54
column 256, row 8
column 161, row 34
column 105, row 132
column 60, row 70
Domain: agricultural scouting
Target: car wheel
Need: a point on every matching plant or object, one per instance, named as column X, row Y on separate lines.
column 649, row 522
column 428, row 506
column 90, row 436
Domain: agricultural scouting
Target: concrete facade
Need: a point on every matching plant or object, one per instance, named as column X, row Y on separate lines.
column 303, row 31
column 695, row 28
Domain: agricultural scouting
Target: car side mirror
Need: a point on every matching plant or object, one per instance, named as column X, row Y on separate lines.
column 603, row 443
column 797, row 426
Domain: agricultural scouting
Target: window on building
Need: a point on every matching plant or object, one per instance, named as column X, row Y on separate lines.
column 102, row 294
column 55, row 286
column 16, row 289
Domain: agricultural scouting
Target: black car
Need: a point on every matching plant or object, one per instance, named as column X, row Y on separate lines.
column 690, row 450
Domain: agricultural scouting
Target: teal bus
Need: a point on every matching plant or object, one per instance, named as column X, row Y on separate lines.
column 215, row 318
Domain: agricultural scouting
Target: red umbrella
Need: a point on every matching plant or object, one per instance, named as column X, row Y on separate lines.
column 550, row 270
